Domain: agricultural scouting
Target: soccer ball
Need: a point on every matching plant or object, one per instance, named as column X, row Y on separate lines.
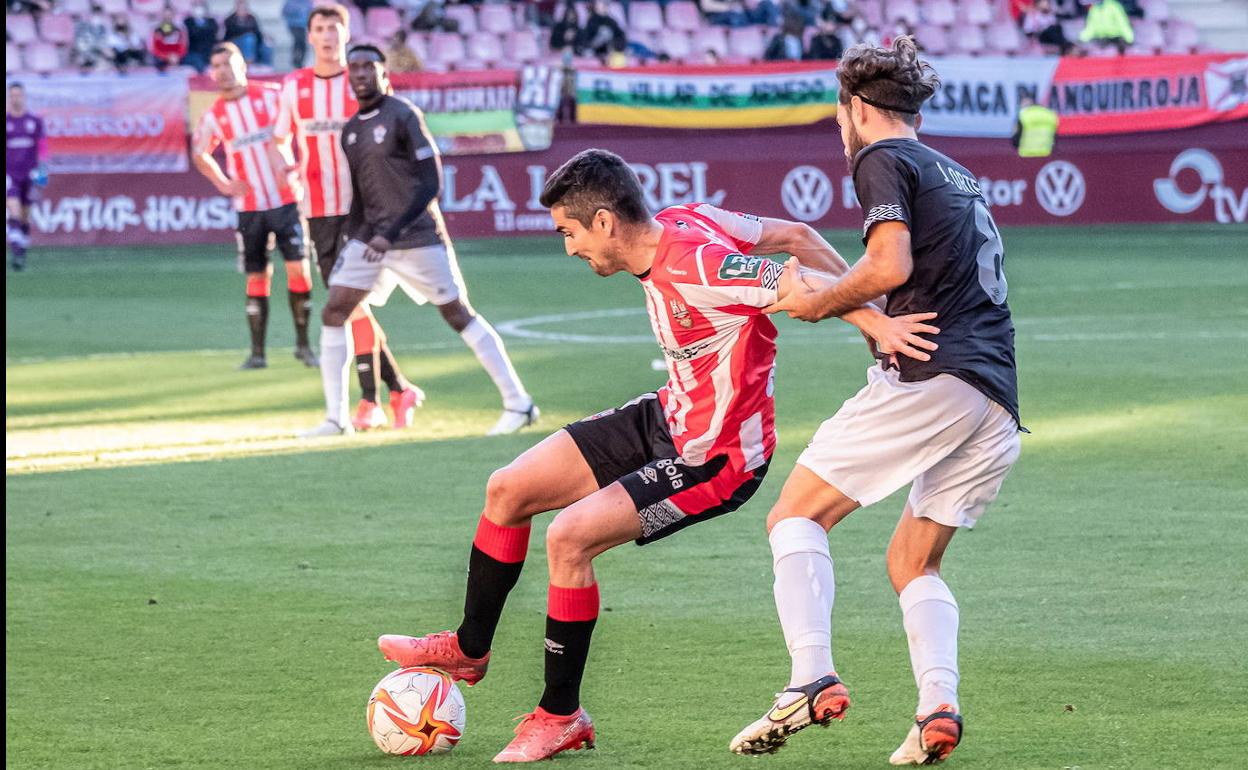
column 415, row 711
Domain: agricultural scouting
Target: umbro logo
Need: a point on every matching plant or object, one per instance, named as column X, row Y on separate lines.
column 553, row 647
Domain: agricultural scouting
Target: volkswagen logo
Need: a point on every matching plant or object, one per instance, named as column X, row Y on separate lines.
column 806, row 193
column 1060, row 188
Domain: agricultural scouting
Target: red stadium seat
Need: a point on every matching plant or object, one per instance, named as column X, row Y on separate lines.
column 497, row 18
column 182, row 8
column 746, row 43
column 1181, row 37
column 446, row 49
column 485, row 47
column 645, row 16
column 382, row 21
column 1149, row 37
column 941, row 12
column 897, row 10
column 464, row 15
column 12, row 58
column 1157, row 10
column 978, row 12
column 521, row 46
column 968, row 40
column 115, row 6
column 711, row 39
column 683, row 15
column 933, row 40
column 57, row 28
column 418, row 42
column 1004, row 37
column 42, row 58
column 355, row 21
column 676, row 44
column 872, row 12
column 149, row 7
column 20, row 29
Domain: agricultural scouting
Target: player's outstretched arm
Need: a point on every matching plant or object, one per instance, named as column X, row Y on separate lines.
column 797, row 239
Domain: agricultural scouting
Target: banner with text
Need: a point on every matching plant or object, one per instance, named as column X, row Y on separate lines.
column 104, row 124
column 748, row 96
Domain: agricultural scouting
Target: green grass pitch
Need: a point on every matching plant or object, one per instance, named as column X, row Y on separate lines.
column 186, row 586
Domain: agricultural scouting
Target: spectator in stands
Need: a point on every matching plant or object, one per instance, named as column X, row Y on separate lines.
column 826, row 45
column 91, row 41
column 295, row 13
column 1040, row 24
column 566, row 32
column 602, row 35
column 168, row 41
column 841, row 11
column 787, row 44
column 541, row 12
column 1108, row 25
column 242, row 29
column 399, row 55
column 764, row 12
column 126, row 44
column 796, row 15
column 425, row 15
column 33, row 7
column 725, row 13
column 201, row 36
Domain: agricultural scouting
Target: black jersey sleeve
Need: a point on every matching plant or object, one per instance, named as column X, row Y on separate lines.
column 885, row 185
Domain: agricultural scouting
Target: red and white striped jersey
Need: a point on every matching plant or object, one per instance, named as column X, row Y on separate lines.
column 245, row 126
column 705, row 298
column 314, row 109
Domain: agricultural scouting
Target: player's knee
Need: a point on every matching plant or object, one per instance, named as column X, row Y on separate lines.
column 506, row 497
column 904, row 567
column 565, row 543
column 456, row 314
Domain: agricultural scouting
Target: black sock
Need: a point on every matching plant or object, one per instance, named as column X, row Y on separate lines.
column 390, row 373
column 494, row 566
column 365, row 369
column 301, row 311
column 570, row 617
column 258, row 323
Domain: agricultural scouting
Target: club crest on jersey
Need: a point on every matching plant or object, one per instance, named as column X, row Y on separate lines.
column 681, row 313
column 682, row 224
column 351, row 138
column 379, row 134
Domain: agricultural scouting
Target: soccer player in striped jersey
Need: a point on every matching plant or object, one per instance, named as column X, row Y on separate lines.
column 316, row 102
column 242, row 119
column 695, row 449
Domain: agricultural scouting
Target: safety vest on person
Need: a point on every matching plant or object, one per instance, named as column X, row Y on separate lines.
column 1039, row 127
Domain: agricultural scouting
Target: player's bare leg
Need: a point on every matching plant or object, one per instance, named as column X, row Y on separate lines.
column 930, row 617
column 551, row 475
column 336, row 359
column 519, row 411
column 804, row 590
column 299, row 289
column 579, row 533
column 259, row 286
column 18, row 227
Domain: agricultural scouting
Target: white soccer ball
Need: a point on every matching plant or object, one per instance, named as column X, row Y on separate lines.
column 415, row 711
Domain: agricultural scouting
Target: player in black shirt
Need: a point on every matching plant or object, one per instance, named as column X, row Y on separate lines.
column 943, row 416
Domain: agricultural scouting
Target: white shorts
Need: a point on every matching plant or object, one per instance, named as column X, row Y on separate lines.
column 951, row 440
column 429, row 274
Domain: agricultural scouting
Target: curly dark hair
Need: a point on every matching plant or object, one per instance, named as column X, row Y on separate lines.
column 894, row 80
column 592, row 180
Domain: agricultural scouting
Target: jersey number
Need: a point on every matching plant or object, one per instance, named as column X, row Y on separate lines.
column 990, row 257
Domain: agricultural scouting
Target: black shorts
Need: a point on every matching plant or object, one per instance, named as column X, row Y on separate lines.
column 632, row 445
column 255, row 228
column 328, row 236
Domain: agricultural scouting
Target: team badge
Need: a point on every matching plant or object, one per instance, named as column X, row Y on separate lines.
column 681, row 314
column 379, row 134
column 682, row 224
column 351, row 138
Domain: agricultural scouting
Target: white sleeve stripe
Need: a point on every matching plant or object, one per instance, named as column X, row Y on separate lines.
column 697, row 257
column 742, row 228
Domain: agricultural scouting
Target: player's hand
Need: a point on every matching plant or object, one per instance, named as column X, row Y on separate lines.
column 235, row 188
column 801, row 300
column 900, row 335
column 376, row 249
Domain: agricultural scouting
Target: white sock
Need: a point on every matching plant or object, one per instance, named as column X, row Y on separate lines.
column 335, row 360
column 804, row 591
column 488, row 347
column 930, row 616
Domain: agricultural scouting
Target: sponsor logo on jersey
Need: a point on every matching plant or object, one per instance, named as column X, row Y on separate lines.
column 684, row 354
column 671, row 469
column 323, row 126
column 681, row 313
column 1060, row 188
column 648, row 475
column 740, row 266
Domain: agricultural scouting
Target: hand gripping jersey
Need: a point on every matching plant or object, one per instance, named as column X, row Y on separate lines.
column 705, row 297
column 245, row 126
column 314, row 109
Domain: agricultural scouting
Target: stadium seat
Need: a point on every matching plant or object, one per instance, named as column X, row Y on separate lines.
column 645, row 16
column 496, row 18
column 20, row 29
column 382, row 21
column 711, row 39
column 676, row 44
column 446, row 49
column 1181, row 37
column 616, row 11
column 1072, row 28
column 484, row 47
column 941, row 12
column 746, row 43
column 933, row 40
column 182, row 8
column 1157, row 10
column 968, row 40
column 111, row 7
column 74, row 7
column 897, row 10
column 683, row 15
column 355, row 21
column 978, row 12
column 872, row 12
column 521, row 46
column 56, row 28
column 42, row 58
column 12, row 58
column 149, row 7
column 464, row 15
column 1149, row 37
column 419, row 44
column 1004, row 37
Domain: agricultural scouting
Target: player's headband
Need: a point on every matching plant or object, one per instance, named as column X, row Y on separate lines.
column 890, row 107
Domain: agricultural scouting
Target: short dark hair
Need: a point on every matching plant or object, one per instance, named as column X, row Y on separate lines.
column 367, row 47
column 226, row 47
column 16, row 85
column 894, row 79
column 596, row 179
column 333, row 11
